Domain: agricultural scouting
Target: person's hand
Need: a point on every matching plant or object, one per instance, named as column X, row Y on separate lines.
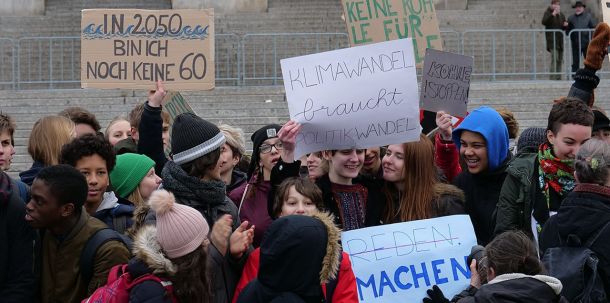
column 475, row 279
column 221, row 231
column 443, row 121
column 435, row 296
column 241, row 239
column 155, row 97
column 288, row 136
column 565, row 24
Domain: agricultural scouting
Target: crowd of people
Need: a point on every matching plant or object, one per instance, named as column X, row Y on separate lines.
column 102, row 214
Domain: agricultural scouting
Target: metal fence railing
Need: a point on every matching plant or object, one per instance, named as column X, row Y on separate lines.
column 254, row 59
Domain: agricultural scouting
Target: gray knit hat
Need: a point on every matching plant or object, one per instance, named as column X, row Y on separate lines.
column 531, row 139
column 193, row 137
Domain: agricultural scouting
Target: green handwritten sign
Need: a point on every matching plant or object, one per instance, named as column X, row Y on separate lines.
column 372, row 21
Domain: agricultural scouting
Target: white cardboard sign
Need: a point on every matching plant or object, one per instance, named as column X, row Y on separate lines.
column 357, row 97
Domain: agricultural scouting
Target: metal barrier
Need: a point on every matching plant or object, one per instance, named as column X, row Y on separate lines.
column 254, row 59
column 261, row 53
column 579, row 40
column 48, row 62
column 8, row 64
column 508, row 54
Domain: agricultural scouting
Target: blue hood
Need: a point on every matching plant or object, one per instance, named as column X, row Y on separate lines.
column 487, row 122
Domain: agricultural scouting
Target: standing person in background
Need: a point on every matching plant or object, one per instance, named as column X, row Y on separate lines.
column 513, row 129
column 372, row 163
column 58, row 195
column 601, row 125
column 230, row 155
column 253, row 202
column 554, row 19
column 17, row 280
column 7, row 150
column 118, row 129
column 94, row 157
column 482, row 142
column 84, row 120
column 538, row 182
column 579, row 39
column 48, row 136
column 413, row 190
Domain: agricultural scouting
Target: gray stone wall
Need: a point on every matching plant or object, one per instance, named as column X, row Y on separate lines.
column 21, row 7
column 224, row 6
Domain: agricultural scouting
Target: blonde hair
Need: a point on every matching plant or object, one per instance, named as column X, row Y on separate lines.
column 136, row 198
column 113, row 122
column 48, row 136
column 235, row 138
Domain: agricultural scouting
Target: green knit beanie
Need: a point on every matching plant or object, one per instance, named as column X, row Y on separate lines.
column 128, row 172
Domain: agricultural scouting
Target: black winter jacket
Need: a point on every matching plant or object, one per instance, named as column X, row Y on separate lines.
column 583, row 213
column 482, row 192
column 151, row 136
column 518, row 288
column 17, row 238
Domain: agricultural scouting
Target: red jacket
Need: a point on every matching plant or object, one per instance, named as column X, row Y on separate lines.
column 447, row 157
column 345, row 292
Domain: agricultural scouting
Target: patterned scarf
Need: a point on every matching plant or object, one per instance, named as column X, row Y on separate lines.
column 351, row 200
column 554, row 173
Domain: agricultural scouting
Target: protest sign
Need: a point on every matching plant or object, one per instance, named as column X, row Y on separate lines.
column 370, row 21
column 446, row 82
column 175, row 105
column 134, row 48
column 356, row 97
column 399, row 262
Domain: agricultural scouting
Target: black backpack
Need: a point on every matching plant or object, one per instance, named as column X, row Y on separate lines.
column 87, row 257
column 576, row 266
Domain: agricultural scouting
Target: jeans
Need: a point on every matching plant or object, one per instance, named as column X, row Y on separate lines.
column 577, row 49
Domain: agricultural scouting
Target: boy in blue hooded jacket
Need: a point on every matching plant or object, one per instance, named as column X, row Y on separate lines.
column 482, row 142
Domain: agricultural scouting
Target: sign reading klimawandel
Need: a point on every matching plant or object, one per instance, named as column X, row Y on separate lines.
column 133, row 49
column 399, row 262
column 356, row 97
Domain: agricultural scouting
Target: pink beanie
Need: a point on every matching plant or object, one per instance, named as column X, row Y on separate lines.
column 180, row 229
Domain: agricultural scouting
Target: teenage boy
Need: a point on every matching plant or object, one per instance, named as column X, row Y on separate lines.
column 58, row 195
column 7, row 150
column 84, row 120
column 94, row 157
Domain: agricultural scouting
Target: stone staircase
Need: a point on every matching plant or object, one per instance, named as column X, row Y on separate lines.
column 252, row 107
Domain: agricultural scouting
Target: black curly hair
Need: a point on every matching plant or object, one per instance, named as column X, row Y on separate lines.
column 88, row 145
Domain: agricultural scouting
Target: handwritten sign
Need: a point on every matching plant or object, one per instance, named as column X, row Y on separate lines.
column 370, row 21
column 134, row 48
column 446, row 82
column 175, row 104
column 399, row 262
column 356, row 97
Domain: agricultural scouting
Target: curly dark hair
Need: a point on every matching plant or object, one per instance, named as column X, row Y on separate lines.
column 191, row 281
column 66, row 184
column 79, row 115
column 88, row 145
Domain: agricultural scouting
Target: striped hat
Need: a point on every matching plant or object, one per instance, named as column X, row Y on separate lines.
column 193, row 137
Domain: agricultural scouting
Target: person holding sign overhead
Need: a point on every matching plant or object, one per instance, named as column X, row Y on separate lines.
column 355, row 202
column 482, row 142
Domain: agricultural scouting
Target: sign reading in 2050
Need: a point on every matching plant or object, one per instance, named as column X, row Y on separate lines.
column 133, row 49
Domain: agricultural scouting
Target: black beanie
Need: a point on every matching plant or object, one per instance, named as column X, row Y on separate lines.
column 193, row 137
column 531, row 139
column 601, row 121
column 258, row 137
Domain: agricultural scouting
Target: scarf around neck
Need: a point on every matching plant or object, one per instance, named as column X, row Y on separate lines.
column 554, row 173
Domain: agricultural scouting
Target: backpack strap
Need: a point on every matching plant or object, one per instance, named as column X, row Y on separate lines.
column 169, row 287
column 119, row 224
column 87, row 257
column 592, row 240
column 332, row 284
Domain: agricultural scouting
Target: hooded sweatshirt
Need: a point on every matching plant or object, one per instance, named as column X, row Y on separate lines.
column 115, row 214
column 305, row 239
column 518, row 287
column 482, row 190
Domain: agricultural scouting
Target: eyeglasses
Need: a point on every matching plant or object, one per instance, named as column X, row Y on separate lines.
column 266, row 148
